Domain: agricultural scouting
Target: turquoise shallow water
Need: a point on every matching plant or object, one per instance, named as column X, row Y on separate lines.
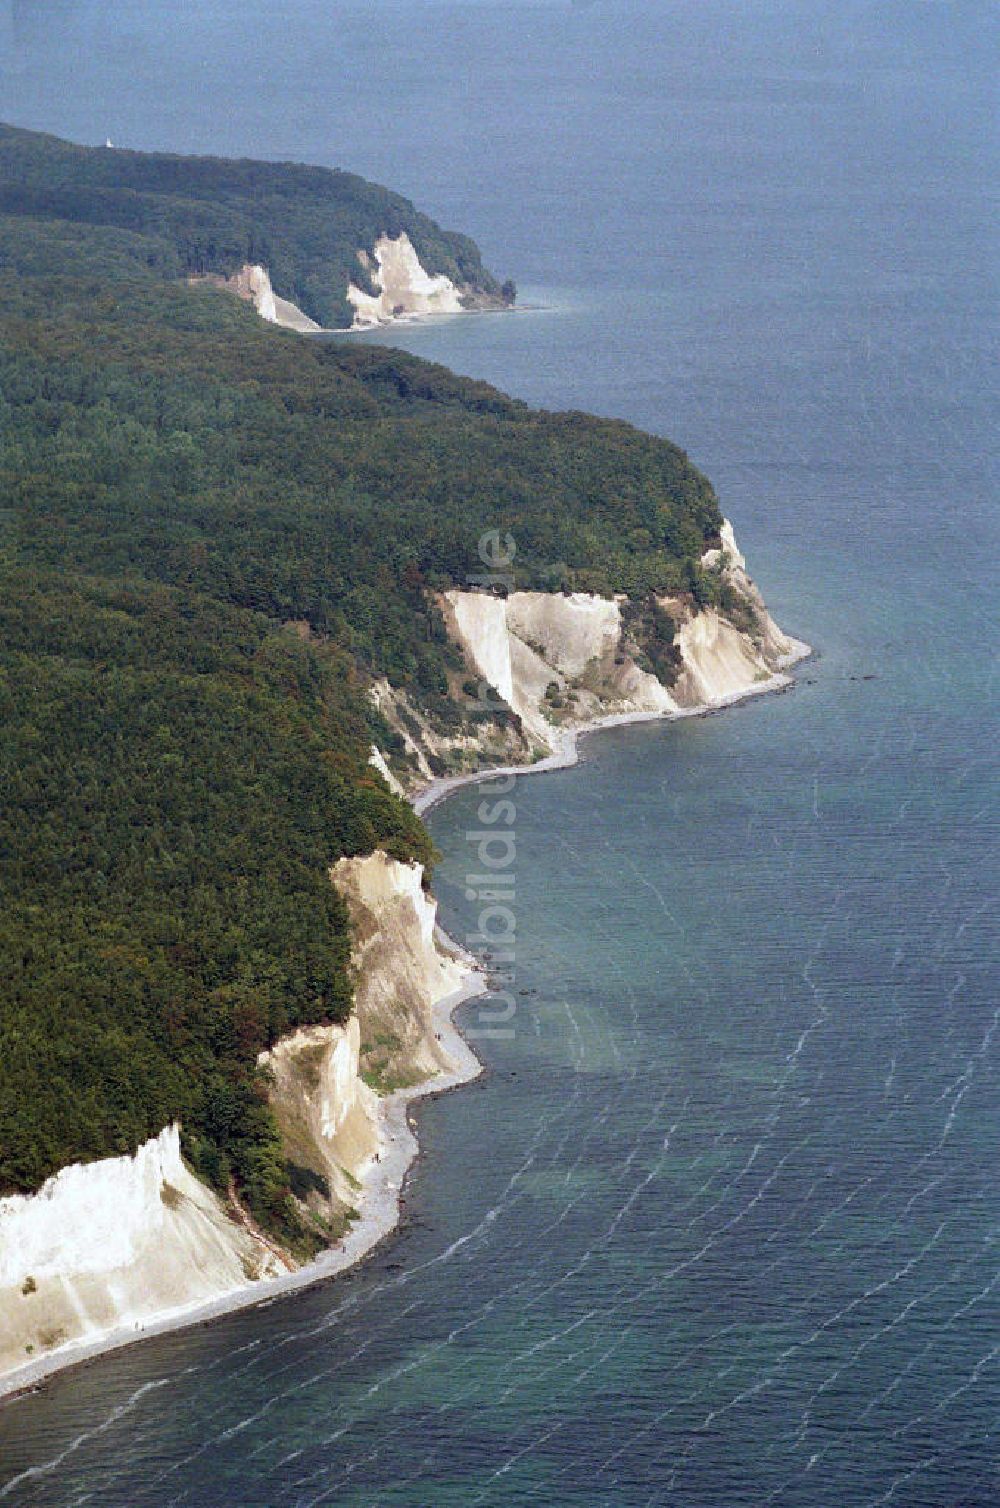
column 719, row 1226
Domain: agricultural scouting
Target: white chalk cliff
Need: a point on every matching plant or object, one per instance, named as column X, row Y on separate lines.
column 401, row 968
column 252, row 283
column 378, row 761
column 778, row 648
column 116, row 1243
column 529, row 641
column 403, row 290
column 544, row 651
column 107, row 1250
column 425, row 742
column 403, row 287
column 327, row 1114
column 322, row 1076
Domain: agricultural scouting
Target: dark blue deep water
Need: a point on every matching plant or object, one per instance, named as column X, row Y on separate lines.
column 720, row 1226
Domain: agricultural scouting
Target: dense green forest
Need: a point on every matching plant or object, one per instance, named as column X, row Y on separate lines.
column 184, row 216
column 176, row 776
column 213, row 536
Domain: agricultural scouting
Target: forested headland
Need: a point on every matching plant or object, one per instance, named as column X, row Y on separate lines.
column 214, row 536
column 192, row 216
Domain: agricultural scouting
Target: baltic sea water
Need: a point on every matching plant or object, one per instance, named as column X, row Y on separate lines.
column 719, row 1226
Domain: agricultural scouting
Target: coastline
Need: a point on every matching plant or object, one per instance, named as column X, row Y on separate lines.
column 381, row 1202
column 568, row 752
column 383, row 1192
column 428, row 317
column 409, row 321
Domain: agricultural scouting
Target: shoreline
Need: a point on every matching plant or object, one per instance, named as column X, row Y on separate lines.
column 428, row 319
column 568, row 753
column 383, row 1190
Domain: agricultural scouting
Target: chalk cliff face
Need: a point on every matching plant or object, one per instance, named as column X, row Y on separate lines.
column 777, row 647
column 120, row 1242
column 253, row 284
column 428, row 747
column 327, row 1081
column 401, row 971
column 561, row 661
column 404, row 288
column 529, row 642
column 110, row 1248
column 378, row 762
column 327, row 1114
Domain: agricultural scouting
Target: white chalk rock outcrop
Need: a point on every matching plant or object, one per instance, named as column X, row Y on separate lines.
column 379, row 762
column 423, row 741
column 729, row 549
column 778, row 648
column 719, row 662
column 524, row 643
column 253, row 283
column 481, row 627
column 113, row 1245
column 326, row 1113
column 401, row 969
column 569, row 632
column 403, row 286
